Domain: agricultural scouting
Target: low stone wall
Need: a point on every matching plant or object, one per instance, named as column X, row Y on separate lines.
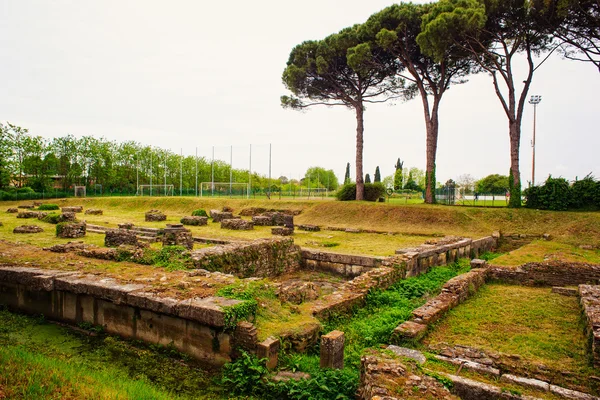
column 261, row 258
column 454, row 292
column 385, row 376
column 552, row 273
column 71, row 230
column 590, row 302
column 196, row 326
column 339, row 264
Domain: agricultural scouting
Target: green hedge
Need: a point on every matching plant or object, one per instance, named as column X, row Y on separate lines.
column 47, row 207
column 373, row 192
column 558, row 195
column 199, row 213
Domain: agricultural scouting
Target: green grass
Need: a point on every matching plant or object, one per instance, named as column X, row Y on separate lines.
column 39, row 360
column 533, row 323
column 373, row 324
column 541, row 250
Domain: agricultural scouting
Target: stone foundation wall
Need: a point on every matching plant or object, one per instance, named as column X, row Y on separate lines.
column 194, row 326
column 590, row 302
column 552, row 273
column 339, row 264
column 260, row 258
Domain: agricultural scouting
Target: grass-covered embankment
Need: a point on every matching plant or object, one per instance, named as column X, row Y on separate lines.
column 39, row 360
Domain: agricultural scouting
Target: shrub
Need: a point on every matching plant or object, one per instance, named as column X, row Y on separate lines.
column 46, row 207
column 373, row 191
column 554, row 194
column 585, row 193
column 52, row 218
column 59, row 227
column 199, row 213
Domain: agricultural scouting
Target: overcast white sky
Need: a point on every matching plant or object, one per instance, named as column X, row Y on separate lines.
column 187, row 74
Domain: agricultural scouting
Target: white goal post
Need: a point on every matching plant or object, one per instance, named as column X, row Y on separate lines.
column 224, row 189
column 155, row 190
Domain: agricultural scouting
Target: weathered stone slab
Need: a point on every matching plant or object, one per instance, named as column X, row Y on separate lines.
column 117, row 237
column 472, row 365
column 12, row 210
column 409, row 330
column 154, row 215
column 218, row 216
column 28, row 229
column 177, row 235
column 309, row 228
column 94, row 211
column 31, row 214
column 194, row 220
column 477, row 263
column 535, row 384
column 237, row 224
column 269, row 349
column 332, row 350
column 282, row 231
column 73, row 209
column 408, row 353
column 71, row 230
column 572, row 292
column 207, row 311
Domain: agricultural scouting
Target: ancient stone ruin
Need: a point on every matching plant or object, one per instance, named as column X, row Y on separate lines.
column 282, row 231
column 67, row 216
column 73, row 209
column 194, row 220
column 117, row 237
column 218, row 216
column 155, row 215
column 27, row 206
column 177, row 235
column 94, row 211
column 31, row 214
column 12, row 210
column 237, row 224
column 126, row 225
column 28, row 229
column 70, row 230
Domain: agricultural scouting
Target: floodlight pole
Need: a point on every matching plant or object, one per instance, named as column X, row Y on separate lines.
column 535, row 100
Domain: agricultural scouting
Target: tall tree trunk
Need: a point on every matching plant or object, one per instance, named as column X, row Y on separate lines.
column 360, row 127
column 432, row 138
column 515, row 173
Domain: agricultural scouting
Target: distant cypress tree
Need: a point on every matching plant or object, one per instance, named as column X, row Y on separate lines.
column 367, row 178
column 377, row 174
column 398, row 175
column 347, row 176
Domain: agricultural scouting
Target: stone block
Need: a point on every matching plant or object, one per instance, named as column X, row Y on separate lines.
column 218, row 216
column 117, row 237
column 28, row 229
column 154, row 215
column 177, row 235
column 27, row 206
column 12, row 210
column 30, row 214
column 237, row 224
column 309, row 228
column 94, row 211
column 332, row 350
column 409, row 330
column 565, row 291
column 126, row 225
column 477, row 263
column 535, row 384
column 282, row 231
column 67, row 216
column 74, row 209
column 262, row 220
column 71, row 230
column 408, row 353
column 194, row 220
column 269, row 349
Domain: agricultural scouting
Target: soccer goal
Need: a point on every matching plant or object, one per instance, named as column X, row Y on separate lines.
column 223, row 189
column 155, row 190
column 313, row 192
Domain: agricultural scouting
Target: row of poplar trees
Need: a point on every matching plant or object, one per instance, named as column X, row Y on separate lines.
column 410, row 50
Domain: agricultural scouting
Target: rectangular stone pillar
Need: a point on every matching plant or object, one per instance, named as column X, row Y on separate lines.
column 332, row 350
column 269, row 349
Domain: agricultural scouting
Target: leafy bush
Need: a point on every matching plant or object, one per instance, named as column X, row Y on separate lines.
column 47, row 207
column 199, row 213
column 373, row 191
column 52, row 218
column 554, row 195
column 585, row 193
column 246, row 376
